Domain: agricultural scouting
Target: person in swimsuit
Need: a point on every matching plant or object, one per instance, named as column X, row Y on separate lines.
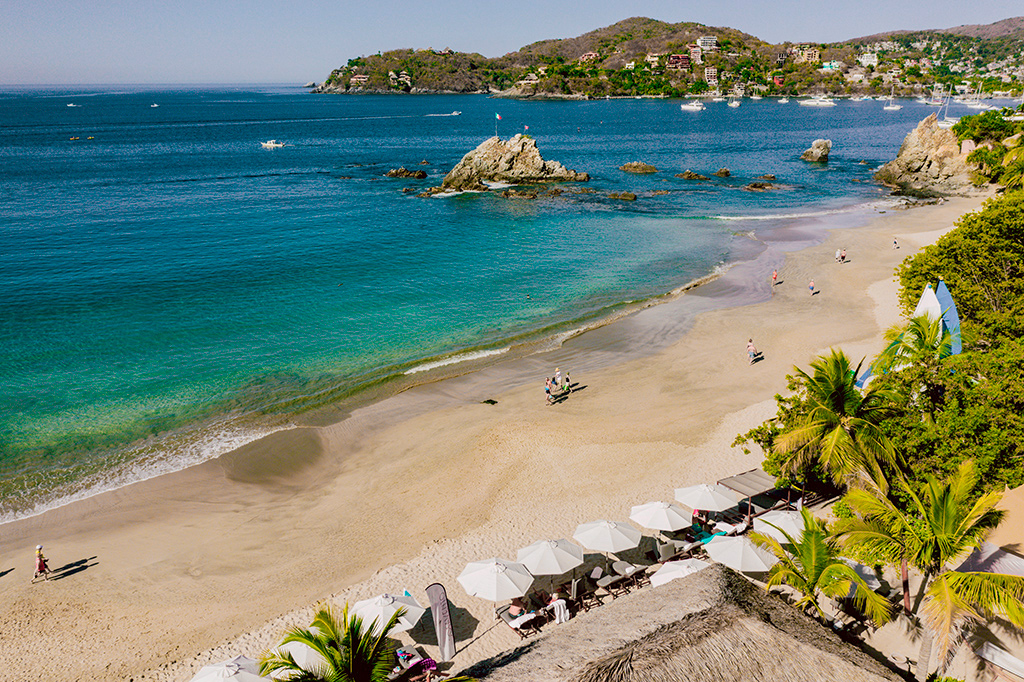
column 42, row 569
column 811, row 287
column 751, row 350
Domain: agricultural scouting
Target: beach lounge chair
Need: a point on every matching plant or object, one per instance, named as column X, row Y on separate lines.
column 633, row 574
column 524, row 630
column 614, row 585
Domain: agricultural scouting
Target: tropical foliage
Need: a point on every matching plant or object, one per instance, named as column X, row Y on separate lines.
column 349, row 651
column 811, row 565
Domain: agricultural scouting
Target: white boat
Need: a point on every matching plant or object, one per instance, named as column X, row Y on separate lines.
column 153, row 106
column 783, row 100
column 695, row 105
column 755, row 97
column 72, row 105
column 944, row 120
column 817, row 101
column 272, row 144
column 456, row 113
column 717, row 99
column 937, row 99
column 891, row 105
column 733, row 102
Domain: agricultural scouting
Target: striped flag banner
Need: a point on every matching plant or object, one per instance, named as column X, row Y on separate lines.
column 497, row 116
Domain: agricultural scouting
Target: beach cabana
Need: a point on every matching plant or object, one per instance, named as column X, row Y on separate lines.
column 749, row 485
column 383, row 606
column 495, row 579
column 710, row 626
column 237, row 669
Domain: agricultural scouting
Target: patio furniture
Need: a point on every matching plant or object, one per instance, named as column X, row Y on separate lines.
column 524, row 625
column 614, row 585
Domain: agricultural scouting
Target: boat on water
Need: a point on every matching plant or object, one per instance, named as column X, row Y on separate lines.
column 153, row 106
column 733, row 102
column 817, row 101
column 756, row 97
column 73, row 105
column 783, row 100
column 943, row 118
column 695, row 105
column 272, row 144
column 891, row 104
column 456, row 113
column 717, row 99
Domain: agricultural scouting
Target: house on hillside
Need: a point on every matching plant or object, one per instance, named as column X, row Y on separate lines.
column 707, row 43
column 778, row 79
column 805, row 54
column 711, row 75
column 588, row 57
column 696, row 54
column 832, row 66
column 678, row 61
column 359, row 79
column 654, row 58
column 867, row 59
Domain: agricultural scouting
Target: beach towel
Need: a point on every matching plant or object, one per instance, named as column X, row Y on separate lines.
column 561, row 610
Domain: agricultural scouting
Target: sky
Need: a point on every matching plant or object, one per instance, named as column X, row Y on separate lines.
column 270, row 41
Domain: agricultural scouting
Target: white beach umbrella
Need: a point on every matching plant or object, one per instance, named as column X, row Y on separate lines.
column 740, row 554
column 864, row 572
column 707, row 497
column 237, row 669
column 550, row 557
column 304, row 656
column 660, row 516
column 789, row 521
column 677, row 569
column 607, row 536
column 495, row 579
column 383, row 606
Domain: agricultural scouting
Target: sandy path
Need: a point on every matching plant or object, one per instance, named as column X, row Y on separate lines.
column 187, row 562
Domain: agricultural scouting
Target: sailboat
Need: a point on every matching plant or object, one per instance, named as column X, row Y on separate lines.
column 945, row 121
column 891, row 104
column 783, row 100
column 733, row 102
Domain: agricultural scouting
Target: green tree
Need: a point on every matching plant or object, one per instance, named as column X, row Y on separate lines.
column 350, row 651
column 942, row 523
column 840, row 428
column 811, row 565
column 920, row 346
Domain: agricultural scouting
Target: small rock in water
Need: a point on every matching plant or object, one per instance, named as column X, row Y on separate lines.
column 818, row 152
column 722, row 173
column 404, row 172
column 638, row 167
column 767, row 176
column 660, row 192
column 758, row 186
column 424, row 162
column 624, row 196
column 690, row 175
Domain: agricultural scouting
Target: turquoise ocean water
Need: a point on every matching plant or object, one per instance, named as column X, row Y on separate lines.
column 172, row 290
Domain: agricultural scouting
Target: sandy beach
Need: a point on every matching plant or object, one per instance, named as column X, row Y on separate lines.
column 188, row 568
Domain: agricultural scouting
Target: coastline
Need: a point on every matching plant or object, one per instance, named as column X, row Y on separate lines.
column 189, row 559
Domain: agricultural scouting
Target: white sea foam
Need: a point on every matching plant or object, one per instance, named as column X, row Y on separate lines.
column 189, row 451
column 456, row 359
column 788, row 216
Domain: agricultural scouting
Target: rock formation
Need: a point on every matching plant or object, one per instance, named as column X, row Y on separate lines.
column 767, row 176
column 818, row 153
column 624, row 196
column 930, row 161
column 638, row 167
column 758, row 186
column 516, row 160
column 404, row 172
column 690, row 175
column 722, row 173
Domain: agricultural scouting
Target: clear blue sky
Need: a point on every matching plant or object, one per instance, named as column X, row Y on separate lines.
column 265, row 41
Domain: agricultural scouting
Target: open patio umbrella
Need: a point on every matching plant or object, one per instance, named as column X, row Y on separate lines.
column 706, row 497
column 237, row 669
column 677, row 569
column 495, row 579
column 383, row 606
column 660, row 516
column 790, row 521
column 550, row 557
column 740, row 554
column 307, row 658
column 607, row 536
column 865, row 572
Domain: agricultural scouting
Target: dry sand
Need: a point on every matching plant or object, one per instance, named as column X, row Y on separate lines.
column 199, row 565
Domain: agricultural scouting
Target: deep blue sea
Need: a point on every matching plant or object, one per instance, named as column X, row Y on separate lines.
column 172, row 290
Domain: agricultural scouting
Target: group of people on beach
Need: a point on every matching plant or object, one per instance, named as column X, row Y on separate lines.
column 840, row 255
column 557, row 383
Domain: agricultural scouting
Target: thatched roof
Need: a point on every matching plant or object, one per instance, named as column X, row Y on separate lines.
column 712, row 626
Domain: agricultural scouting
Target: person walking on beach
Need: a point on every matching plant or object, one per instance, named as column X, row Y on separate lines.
column 775, row 278
column 751, row 350
column 842, row 256
column 547, row 390
column 895, row 244
column 42, row 569
column 837, row 255
column 811, row 287
column 558, row 377
column 567, row 384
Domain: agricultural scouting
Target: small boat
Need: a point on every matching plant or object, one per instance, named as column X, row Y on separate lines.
column 783, row 100
column 733, row 102
column 153, row 106
column 892, row 106
column 756, row 97
column 695, row 105
column 272, row 144
column 73, row 105
column 817, row 101
column 456, row 113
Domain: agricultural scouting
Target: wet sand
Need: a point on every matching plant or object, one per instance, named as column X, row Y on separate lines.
column 215, row 560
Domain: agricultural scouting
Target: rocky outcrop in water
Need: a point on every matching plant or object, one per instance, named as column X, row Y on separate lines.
column 722, row 173
column 638, row 167
column 516, row 161
column 404, row 172
column 623, row 196
column 690, row 175
column 818, row 152
column 930, row 161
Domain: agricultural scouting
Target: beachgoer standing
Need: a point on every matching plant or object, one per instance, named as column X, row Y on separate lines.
column 558, row 377
column 895, row 244
column 751, row 350
column 837, row 255
column 42, row 569
column 567, row 384
column 811, row 287
column 547, row 389
column 842, row 256
column 775, row 278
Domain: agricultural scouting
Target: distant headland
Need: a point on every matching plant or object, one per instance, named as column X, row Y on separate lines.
column 641, row 57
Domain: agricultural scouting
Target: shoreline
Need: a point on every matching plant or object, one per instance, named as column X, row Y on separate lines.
column 303, row 512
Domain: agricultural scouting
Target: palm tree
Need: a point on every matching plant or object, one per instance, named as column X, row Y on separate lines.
column 941, row 526
column 921, row 344
column 811, row 565
column 841, row 427
column 349, row 651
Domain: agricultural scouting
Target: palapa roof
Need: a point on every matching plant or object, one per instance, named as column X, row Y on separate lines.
column 711, row 626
